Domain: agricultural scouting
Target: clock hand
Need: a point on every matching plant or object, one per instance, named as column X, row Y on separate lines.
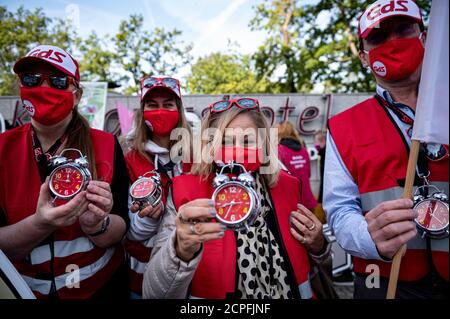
column 228, row 211
column 432, row 215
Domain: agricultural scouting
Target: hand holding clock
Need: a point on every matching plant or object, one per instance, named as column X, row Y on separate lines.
column 194, row 226
column 49, row 216
column 100, row 203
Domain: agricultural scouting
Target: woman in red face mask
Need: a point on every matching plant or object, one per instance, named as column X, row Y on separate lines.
column 50, row 241
column 150, row 146
column 246, row 242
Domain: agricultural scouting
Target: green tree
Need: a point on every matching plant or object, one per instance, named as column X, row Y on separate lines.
column 141, row 52
column 220, row 73
column 96, row 62
column 22, row 30
column 300, row 52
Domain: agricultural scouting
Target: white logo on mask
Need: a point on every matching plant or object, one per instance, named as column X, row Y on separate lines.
column 379, row 68
column 29, row 107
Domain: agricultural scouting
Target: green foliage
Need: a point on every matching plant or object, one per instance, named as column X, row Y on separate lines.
column 20, row 32
column 221, row 73
column 141, row 52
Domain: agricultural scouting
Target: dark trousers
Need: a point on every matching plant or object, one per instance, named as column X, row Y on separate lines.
column 430, row 287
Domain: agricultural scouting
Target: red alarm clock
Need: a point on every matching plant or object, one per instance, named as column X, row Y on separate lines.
column 69, row 176
column 147, row 190
column 433, row 213
column 236, row 201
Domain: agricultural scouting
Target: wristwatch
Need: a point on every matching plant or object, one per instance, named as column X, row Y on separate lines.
column 103, row 229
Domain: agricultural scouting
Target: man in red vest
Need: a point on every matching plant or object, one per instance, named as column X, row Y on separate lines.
column 366, row 159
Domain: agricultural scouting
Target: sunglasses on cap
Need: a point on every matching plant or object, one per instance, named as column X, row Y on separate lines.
column 171, row 83
column 243, row 103
column 60, row 82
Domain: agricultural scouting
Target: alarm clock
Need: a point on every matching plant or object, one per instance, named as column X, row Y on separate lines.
column 433, row 212
column 235, row 198
column 147, row 190
column 69, row 176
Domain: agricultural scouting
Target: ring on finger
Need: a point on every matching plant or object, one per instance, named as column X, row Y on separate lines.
column 193, row 229
column 312, row 227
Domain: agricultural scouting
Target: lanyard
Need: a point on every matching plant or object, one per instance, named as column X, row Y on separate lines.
column 400, row 114
column 42, row 158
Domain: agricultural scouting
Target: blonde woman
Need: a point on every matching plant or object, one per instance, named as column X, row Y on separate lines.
column 161, row 111
column 196, row 256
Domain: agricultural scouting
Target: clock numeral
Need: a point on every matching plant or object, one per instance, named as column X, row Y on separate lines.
column 56, row 186
column 220, row 211
column 78, row 176
column 233, row 190
column 233, row 218
column 244, row 196
column 222, row 197
column 245, row 210
column 66, row 192
column 58, row 175
column 77, row 187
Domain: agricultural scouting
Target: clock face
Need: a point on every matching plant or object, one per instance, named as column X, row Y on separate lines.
column 233, row 203
column 66, row 181
column 142, row 188
column 433, row 214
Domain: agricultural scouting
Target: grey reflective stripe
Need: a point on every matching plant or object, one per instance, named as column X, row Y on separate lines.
column 63, row 248
column 193, row 297
column 43, row 286
column 305, row 290
column 137, row 265
column 440, row 245
column 372, row 199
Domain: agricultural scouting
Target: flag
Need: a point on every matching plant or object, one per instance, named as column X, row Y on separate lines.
column 431, row 122
column 125, row 118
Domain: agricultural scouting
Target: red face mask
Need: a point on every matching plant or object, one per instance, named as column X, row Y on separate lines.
column 46, row 105
column 249, row 157
column 162, row 121
column 397, row 59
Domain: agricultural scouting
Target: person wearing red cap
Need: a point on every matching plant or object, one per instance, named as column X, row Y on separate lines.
column 161, row 111
column 366, row 159
column 64, row 249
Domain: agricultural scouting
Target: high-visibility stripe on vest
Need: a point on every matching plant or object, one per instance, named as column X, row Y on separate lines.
column 215, row 275
column 20, row 184
column 373, row 150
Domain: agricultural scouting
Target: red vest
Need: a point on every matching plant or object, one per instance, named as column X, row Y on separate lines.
column 139, row 252
column 19, row 191
column 375, row 155
column 215, row 275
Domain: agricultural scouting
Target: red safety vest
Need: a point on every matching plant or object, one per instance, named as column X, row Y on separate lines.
column 215, row 275
column 139, row 252
column 374, row 153
column 19, row 191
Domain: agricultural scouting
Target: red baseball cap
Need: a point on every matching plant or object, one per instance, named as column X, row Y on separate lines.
column 53, row 55
column 150, row 83
column 383, row 9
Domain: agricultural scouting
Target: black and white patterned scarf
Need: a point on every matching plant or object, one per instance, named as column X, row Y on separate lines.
column 261, row 269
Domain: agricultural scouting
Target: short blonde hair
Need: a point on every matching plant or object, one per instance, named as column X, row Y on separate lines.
column 220, row 121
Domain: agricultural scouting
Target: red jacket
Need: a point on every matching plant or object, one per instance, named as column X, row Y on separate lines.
column 19, row 191
column 298, row 164
column 375, row 155
column 215, row 275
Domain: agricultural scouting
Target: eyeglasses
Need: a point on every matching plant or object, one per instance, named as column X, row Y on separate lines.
column 244, row 103
column 36, row 79
column 402, row 30
column 170, row 83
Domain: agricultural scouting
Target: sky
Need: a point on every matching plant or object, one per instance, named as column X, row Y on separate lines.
column 207, row 24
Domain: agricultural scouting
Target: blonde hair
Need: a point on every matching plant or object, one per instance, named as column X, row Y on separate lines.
column 221, row 121
column 287, row 130
column 136, row 141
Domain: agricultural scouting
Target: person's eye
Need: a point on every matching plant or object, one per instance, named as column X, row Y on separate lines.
column 404, row 29
column 377, row 38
